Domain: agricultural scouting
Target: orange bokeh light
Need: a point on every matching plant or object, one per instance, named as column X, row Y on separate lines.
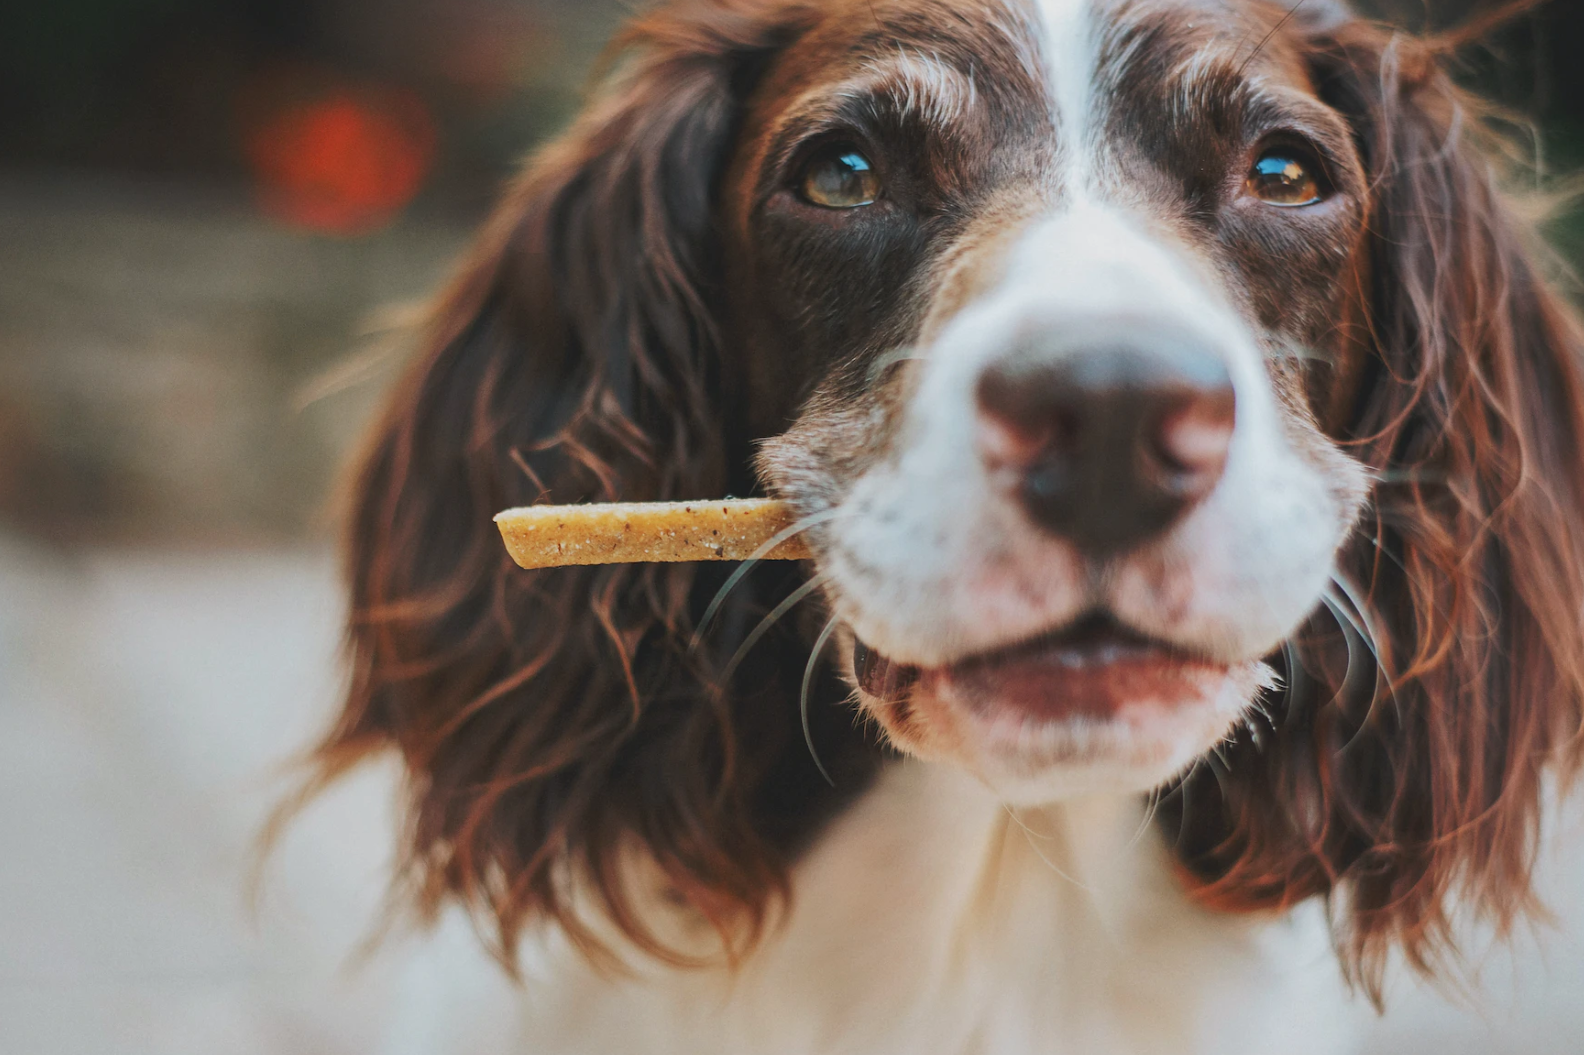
column 342, row 160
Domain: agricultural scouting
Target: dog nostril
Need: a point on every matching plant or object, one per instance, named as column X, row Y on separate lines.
column 1194, row 438
column 1019, row 425
column 1005, row 444
column 1107, row 446
column 1017, row 443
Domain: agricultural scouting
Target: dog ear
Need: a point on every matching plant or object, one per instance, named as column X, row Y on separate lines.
column 1403, row 770
column 555, row 722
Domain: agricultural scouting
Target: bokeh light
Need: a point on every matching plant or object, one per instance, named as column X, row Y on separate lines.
column 340, row 159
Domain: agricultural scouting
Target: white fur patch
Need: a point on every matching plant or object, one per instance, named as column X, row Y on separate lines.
column 933, row 562
column 931, row 920
column 1071, row 58
column 930, row 564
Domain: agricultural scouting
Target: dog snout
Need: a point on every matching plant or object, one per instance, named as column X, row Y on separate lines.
column 1109, row 444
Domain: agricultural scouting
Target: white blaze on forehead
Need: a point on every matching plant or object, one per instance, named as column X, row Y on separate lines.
column 1071, row 58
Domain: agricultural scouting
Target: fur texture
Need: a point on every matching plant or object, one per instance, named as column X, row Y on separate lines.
column 1385, row 585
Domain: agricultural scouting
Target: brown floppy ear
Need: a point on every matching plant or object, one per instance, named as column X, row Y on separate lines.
column 554, row 722
column 1403, row 782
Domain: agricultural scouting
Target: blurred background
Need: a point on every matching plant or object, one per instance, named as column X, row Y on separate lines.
column 217, row 218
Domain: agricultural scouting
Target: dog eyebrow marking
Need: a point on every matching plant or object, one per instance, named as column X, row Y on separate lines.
column 907, row 84
column 924, row 84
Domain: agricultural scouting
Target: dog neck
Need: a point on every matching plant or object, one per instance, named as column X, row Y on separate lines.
column 932, row 918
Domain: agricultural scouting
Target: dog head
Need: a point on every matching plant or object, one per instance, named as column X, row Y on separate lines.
column 1172, row 402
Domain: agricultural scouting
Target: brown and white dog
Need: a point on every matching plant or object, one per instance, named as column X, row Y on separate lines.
column 1189, row 446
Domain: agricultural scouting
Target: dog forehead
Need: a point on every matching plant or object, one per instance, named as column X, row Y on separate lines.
column 1033, row 87
column 980, row 38
column 1056, row 54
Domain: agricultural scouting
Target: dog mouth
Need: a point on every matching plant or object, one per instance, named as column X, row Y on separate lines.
column 1092, row 667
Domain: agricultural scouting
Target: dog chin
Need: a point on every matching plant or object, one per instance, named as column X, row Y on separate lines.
column 1070, row 716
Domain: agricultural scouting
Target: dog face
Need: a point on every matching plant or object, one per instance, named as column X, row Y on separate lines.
column 1123, row 357
column 1062, row 273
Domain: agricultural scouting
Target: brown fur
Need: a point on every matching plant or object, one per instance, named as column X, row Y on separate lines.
column 604, row 343
column 1407, row 787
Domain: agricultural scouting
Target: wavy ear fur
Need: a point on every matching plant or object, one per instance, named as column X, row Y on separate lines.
column 553, row 721
column 1398, row 781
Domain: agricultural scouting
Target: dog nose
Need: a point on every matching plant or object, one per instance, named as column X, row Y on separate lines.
column 1108, row 446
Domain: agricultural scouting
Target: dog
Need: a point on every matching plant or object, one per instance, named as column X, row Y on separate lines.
column 1188, row 441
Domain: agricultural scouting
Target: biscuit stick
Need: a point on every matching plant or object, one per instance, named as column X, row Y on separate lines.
column 632, row 532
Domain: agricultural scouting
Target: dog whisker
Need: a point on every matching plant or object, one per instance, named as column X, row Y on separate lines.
column 1406, row 476
column 887, row 359
column 1295, row 679
column 1152, row 803
column 1029, row 835
column 1350, row 622
column 803, row 697
column 1350, row 633
column 801, row 525
column 770, row 620
column 1297, row 352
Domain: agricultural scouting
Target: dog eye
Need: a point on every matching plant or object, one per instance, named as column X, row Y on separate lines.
column 840, row 179
column 1284, row 177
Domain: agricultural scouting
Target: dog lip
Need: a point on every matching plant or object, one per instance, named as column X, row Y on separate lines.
column 1089, row 644
column 879, row 676
column 1094, row 640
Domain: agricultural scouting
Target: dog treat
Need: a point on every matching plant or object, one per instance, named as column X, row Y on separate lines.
column 633, row 532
